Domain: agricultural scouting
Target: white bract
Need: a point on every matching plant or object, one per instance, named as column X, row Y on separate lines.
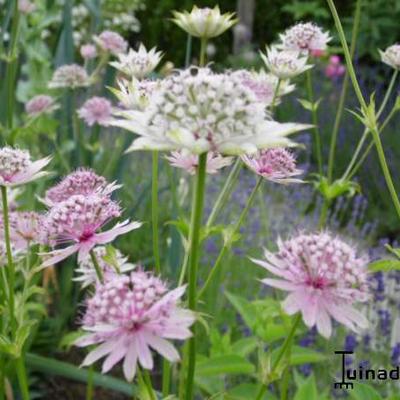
column 202, row 111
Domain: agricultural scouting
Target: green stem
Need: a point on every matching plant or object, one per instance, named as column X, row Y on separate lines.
column 225, row 192
column 76, row 129
column 145, row 382
column 314, row 116
column 228, row 241
column 339, row 114
column 203, row 48
column 371, row 144
column 287, row 344
column 324, row 213
column 89, row 385
column 366, row 131
column 364, row 108
column 154, row 211
column 275, row 96
column 22, row 379
column 10, row 261
column 166, row 378
column 97, row 267
column 194, row 242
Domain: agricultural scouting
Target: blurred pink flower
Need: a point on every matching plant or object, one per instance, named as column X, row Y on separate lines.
column 78, row 221
column 112, row 42
column 26, row 228
column 96, row 110
column 70, row 76
column 88, row 51
column 129, row 315
column 16, row 167
column 335, row 68
column 190, row 162
column 324, row 277
column 82, row 181
column 40, row 104
column 277, row 165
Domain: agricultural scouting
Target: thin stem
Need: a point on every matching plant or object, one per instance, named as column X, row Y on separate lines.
column 166, row 378
column 76, row 129
column 149, row 386
column 339, row 113
column 371, row 144
column 97, row 267
column 188, row 50
column 275, row 96
column 225, row 192
column 324, row 213
column 366, row 131
column 89, row 385
column 228, row 241
column 203, row 48
column 194, row 240
column 261, row 392
column 10, row 262
column 22, row 379
column 357, row 89
column 154, row 211
column 314, row 116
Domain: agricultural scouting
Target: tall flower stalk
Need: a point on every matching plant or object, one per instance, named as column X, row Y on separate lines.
column 194, row 242
column 154, row 210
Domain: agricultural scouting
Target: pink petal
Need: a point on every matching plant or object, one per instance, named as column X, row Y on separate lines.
column 99, row 352
column 309, row 310
column 143, row 351
column 177, row 332
column 271, row 268
column 115, row 356
column 119, row 229
column 59, row 255
column 357, row 317
column 130, row 361
column 163, row 347
column 291, row 304
column 32, row 172
column 324, row 324
column 87, row 340
column 280, row 284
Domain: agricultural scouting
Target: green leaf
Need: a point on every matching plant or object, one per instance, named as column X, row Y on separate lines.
column 307, row 391
column 245, row 346
column 384, row 266
column 302, row 355
column 244, row 308
column 227, row 364
column 395, row 251
column 362, row 391
column 307, row 105
column 246, row 391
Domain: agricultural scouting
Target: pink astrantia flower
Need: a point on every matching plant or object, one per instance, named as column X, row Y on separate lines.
column 26, row 227
column 112, row 42
column 277, row 165
column 69, row 76
column 129, row 315
column 335, row 68
column 324, row 277
column 83, row 181
column 190, row 162
column 87, row 272
column 96, row 110
column 88, row 51
column 40, row 104
column 306, row 38
column 78, row 221
column 17, row 168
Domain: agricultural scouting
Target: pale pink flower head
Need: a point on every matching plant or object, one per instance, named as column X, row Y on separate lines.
column 26, row 6
column 391, row 56
column 78, row 221
column 335, row 68
column 128, row 316
column 88, row 51
column 82, row 181
column 26, row 228
column 109, row 266
column 17, row 168
column 70, row 76
column 111, row 42
column 277, row 165
column 96, row 110
column 40, row 104
column 189, row 162
column 324, row 276
column 307, row 38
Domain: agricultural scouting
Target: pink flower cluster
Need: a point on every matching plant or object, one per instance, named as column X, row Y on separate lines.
column 40, row 104
column 96, row 110
column 129, row 315
column 324, row 276
column 335, row 68
column 80, row 207
column 111, row 42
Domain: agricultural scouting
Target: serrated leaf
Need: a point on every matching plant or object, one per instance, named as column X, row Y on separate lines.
column 384, row 266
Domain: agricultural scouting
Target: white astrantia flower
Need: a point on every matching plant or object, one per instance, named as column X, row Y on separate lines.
column 202, row 111
column 306, row 38
column 139, row 63
column 391, row 56
column 134, row 94
column 285, row 64
column 204, row 22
